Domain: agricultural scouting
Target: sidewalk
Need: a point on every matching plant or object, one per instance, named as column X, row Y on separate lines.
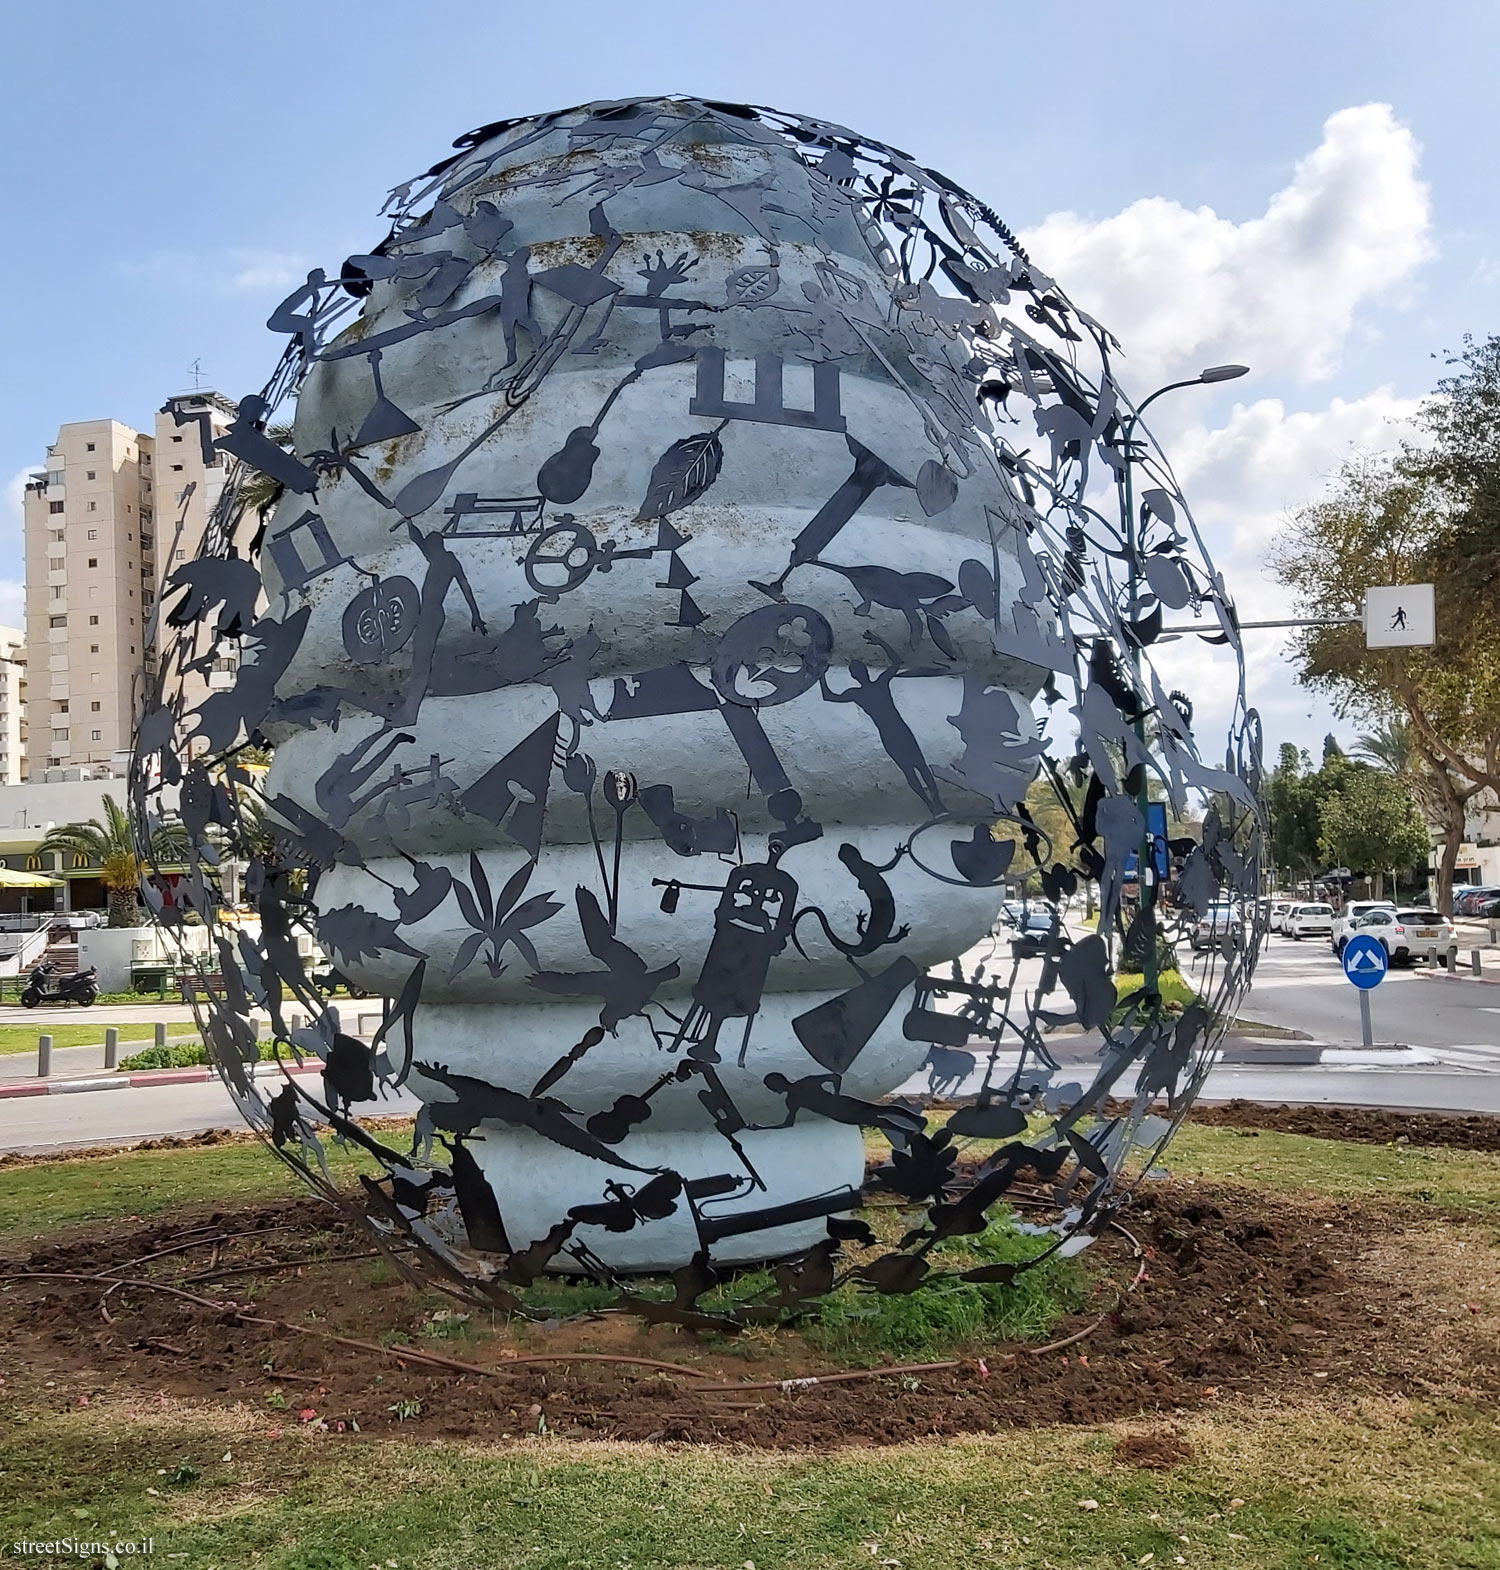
column 71, row 1062
column 161, row 1076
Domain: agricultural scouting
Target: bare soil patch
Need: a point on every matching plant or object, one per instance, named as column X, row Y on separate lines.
column 1245, row 1292
column 1363, row 1125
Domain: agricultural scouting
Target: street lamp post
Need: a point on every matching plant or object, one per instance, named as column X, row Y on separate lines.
column 1145, row 856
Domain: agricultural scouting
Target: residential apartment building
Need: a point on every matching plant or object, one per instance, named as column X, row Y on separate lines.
column 190, row 477
column 112, row 513
column 90, row 579
column 12, row 706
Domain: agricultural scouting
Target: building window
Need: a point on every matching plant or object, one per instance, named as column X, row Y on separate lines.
column 93, row 506
column 176, row 438
column 59, row 735
column 90, row 474
column 176, row 468
column 55, row 506
column 88, row 446
column 93, row 561
column 132, row 648
column 57, row 621
column 94, row 707
column 95, row 735
column 57, row 591
column 93, row 621
column 93, row 534
column 146, row 459
column 178, row 555
column 94, row 647
column 62, row 707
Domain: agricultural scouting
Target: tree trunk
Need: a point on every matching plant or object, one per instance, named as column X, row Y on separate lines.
column 123, row 910
column 1453, row 838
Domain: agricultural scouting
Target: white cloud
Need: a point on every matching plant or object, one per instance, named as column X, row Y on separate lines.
column 237, row 270
column 1183, row 288
column 1241, row 478
column 1284, row 291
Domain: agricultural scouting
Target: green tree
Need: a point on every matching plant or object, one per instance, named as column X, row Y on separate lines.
column 112, row 845
column 1390, row 520
column 1371, row 824
column 1292, row 806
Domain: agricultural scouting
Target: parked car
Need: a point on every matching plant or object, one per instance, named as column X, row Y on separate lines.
column 1470, row 900
column 1009, row 915
column 1405, row 934
column 1279, row 908
column 1309, row 921
column 1032, row 932
column 1343, row 927
column 1220, row 920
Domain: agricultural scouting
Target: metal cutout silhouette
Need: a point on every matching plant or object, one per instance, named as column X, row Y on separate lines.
column 506, row 809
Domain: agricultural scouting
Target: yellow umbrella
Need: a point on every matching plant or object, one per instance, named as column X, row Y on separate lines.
column 26, row 880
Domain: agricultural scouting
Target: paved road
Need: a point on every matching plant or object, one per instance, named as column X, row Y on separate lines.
column 1301, row 986
column 1454, row 1025
column 108, row 1117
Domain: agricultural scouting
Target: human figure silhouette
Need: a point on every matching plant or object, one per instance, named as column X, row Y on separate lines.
column 873, row 694
column 1398, row 621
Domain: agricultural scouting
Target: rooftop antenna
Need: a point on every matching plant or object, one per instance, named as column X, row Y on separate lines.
column 195, row 370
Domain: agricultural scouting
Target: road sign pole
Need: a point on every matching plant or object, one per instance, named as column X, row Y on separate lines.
column 1364, row 1019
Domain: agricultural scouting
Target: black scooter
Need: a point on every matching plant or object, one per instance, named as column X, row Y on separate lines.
column 46, row 986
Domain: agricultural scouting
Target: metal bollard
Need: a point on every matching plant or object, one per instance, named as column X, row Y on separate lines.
column 111, row 1047
column 161, row 1035
column 43, row 1056
column 1476, row 961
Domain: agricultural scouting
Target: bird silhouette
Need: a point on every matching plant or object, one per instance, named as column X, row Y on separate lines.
column 625, row 985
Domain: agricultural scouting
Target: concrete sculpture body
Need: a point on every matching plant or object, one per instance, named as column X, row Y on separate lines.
column 647, row 636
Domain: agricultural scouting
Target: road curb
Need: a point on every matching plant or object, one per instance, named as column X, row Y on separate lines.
column 143, row 1080
column 1443, row 975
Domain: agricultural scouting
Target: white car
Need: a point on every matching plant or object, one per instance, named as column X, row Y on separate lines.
column 1410, row 934
column 1279, row 910
column 1220, row 921
column 1343, row 927
column 1309, row 921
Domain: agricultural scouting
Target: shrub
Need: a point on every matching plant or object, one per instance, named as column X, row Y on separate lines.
column 181, row 1054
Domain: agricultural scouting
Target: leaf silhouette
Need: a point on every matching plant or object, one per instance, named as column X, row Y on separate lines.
column 470, row 906
column 465, row 956
column 683, row 472
column 482, row 888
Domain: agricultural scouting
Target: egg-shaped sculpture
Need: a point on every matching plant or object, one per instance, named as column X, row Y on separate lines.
column 684, row 510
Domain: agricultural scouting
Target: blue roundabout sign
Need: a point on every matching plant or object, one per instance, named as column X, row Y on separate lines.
column 1365, row 961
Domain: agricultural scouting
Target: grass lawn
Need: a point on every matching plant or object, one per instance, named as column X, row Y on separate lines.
column 1396, row 1482
column 44, row 1196
column 1467, row 1182
column 1390, row 1486
column 22, row 1038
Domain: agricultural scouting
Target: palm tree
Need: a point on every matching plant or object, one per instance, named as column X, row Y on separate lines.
column 1389, row 748
column 111, row 844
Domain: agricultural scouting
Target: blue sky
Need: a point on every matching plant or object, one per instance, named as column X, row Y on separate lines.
column 1308, row 188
